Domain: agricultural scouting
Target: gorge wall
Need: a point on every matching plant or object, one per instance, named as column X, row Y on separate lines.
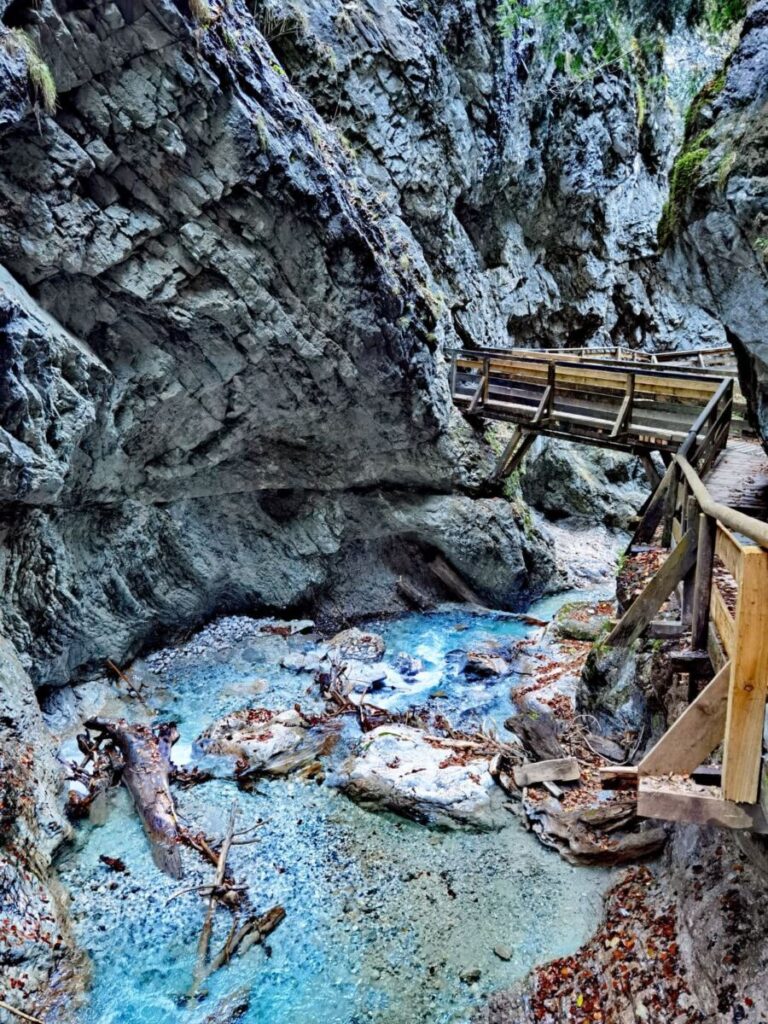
column 231, row 272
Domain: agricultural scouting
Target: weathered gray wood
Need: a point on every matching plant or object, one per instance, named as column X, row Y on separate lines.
column 653, row 511
column 522, row 451
column 694, row 735
column 562, row 769
column 506, row 455
column 702, row 587
column 145, row 776
column 476, row 397
column 702, row 808
column 453, row 581
column 663, row 630
column 656, row 592
column 650, row 470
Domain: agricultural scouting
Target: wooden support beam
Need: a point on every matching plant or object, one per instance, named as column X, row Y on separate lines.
column 694, row 735
column 625, row 410
column 453, row 581
column 522, row 451
column 702, row 586
column 749, row 683
column 698, row 804
column 650, row 470
column 689, row 580
column 670, row 507
column 656, row 592
column 653, row 511
column 475, row 400
column 544, row 409
column 506, row 455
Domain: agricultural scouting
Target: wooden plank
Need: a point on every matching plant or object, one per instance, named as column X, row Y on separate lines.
column 723, row 621
column 656, row 592
column 560, row 769
column 521, row 452
column 476, row 397
column 702, row 586
column 650, row 471
column 618, row 776
column 694, row 735
column 625, row 410
column 653, row 510
column 506, row 455
column 664, row 630
column 453, row 581
column 749, row 682
column 701, row 806
column 728, row 550
column 684, row 386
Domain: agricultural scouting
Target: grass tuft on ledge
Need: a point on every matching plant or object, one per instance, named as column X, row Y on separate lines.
column 40, row 76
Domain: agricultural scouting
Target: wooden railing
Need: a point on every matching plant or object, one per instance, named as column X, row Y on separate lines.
column 718, row 561
column 617, row 406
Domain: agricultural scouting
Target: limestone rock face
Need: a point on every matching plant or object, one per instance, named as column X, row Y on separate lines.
column 720, row 229
column 563, row 479
column 221, row 375
column 34, row 937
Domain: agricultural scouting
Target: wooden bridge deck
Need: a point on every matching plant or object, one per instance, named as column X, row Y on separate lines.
column 739, row 478
column 707, row 515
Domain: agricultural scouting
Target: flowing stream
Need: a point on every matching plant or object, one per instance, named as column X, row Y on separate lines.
column 387, row 920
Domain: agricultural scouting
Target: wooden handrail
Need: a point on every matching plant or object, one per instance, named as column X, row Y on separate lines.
column 500, row 356
column 710, row 408
column 737, row 521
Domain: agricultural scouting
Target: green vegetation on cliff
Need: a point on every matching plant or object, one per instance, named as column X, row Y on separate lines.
column 40, row 77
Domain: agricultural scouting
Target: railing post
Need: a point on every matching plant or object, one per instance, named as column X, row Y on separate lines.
column 669, row 508
column 486, row 379
column 551, row 384
column 743, row 748
column 702, row 587
column 454, row 370
column 688, row 517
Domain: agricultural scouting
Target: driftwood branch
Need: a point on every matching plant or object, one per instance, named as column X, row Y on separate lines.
column 204, row 941
column 146, row 777
column 19, row 1013
column 242, row 935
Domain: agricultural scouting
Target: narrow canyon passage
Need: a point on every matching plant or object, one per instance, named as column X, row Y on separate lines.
column 383, row 511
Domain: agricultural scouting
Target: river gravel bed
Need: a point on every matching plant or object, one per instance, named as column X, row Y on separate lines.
column 387, row 921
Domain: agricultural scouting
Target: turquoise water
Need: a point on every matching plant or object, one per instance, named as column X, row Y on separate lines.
column 383, row 915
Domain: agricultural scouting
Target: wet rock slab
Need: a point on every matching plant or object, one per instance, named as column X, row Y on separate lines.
column 272, row 743
column 401, row 769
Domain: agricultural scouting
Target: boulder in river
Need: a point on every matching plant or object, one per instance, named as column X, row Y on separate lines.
column 275, row 743
column 485, row 664
column 357, row 644
column 401, row 769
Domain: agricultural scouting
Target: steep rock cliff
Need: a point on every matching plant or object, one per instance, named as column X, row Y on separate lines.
column 222, row 372
column 716, row 223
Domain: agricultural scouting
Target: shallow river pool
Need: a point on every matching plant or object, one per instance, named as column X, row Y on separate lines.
column 386, row 920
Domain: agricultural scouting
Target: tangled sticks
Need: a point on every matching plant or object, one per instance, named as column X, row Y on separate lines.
column 141, row 757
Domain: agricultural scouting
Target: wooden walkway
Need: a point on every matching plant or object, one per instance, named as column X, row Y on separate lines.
column 707, row 519
column 739, row 479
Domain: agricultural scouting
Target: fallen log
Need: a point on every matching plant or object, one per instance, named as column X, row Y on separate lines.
column 146, row 774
